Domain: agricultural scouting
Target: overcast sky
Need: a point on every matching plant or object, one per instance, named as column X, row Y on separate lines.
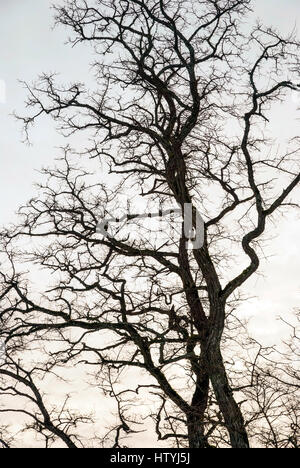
column 29, row 46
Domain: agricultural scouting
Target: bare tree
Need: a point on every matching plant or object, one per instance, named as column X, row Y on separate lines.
column 180, row 114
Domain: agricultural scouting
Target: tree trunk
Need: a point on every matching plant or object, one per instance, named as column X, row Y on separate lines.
column 195, row 419
column 233, row 417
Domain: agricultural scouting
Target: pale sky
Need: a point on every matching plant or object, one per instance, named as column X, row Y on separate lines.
column 29, row 46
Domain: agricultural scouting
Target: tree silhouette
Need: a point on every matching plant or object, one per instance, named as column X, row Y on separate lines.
column 181, row 115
